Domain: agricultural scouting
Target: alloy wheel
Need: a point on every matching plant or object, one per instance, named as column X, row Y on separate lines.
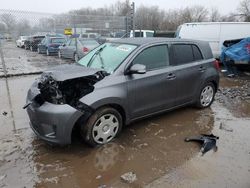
column 206, row 96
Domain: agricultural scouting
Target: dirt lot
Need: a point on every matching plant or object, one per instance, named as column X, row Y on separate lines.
column 154, row 149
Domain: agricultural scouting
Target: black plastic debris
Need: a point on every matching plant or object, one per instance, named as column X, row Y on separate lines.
column 5, row 113
column 208, row 142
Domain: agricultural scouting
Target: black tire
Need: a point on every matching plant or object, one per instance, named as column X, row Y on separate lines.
column 87, row 128
column 206, row 95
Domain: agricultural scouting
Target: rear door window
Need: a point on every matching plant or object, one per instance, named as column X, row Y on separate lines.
column 153, row 57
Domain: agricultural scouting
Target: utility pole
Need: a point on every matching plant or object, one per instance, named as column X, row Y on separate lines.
column 133, row 17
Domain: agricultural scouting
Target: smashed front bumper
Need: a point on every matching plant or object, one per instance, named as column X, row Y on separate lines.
column 53, row 123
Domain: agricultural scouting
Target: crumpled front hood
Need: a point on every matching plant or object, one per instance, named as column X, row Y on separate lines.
column 67, row 72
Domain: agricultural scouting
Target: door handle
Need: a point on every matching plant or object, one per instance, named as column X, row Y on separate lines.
column 171, row 76
column 202, row 69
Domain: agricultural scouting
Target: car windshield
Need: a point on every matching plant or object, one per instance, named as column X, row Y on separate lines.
column 107, row 56
column 58, row 40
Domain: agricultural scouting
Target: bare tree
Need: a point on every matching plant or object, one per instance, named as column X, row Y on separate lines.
column 23, row 27
column 3, row 27
column 231, row 17
column 194, row 14
column 214, row 15
column 10, row 21
column 122, row 8
column 244, row 10
column 149, row 17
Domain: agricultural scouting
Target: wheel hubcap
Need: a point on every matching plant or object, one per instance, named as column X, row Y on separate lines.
column 105, row 128
column 207, row 96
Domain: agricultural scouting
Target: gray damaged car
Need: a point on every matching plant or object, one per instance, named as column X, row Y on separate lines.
column 120, row 82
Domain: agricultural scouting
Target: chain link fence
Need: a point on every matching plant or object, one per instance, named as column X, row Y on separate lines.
column 13, row 24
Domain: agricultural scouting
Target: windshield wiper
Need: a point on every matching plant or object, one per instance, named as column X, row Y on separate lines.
column 95, row 54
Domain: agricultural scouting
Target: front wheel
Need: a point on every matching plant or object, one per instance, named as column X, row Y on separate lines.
column 206, row 96
column 102, row 127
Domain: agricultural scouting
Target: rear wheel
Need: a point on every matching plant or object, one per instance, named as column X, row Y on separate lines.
column 206, row 96
column 102, row 127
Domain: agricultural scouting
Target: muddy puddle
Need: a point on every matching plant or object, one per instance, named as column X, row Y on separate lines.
column 152, row 148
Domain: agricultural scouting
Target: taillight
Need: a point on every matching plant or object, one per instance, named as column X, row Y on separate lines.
column 85, row 49
column 216, row 64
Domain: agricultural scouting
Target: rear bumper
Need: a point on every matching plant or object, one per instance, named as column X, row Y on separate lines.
column 53, row 50
column 53, row 123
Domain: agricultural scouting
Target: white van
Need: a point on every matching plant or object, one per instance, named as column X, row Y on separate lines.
column 214, row 32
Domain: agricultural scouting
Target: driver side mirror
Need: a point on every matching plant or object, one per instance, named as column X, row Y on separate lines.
column 136, row 69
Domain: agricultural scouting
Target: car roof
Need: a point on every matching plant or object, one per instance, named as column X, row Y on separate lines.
column 150, row 40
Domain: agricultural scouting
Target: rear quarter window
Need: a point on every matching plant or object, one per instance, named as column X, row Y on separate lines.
column 185, row 53
column 197, row 53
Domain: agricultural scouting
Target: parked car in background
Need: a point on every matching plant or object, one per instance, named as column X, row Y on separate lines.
column 168, row 34
column 90, row 35
column 32, row 42
column 20, row 41
column 142, row 33
column 96, row 36
column 1, row 36
column 214, row 32
column 120, row 82
column 50, row 45
column 83, row 46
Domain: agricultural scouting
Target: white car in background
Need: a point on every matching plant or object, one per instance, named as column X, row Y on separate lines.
column 20, row 41
column 142, row 33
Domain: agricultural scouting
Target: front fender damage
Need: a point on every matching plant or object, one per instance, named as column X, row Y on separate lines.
column 67, row 91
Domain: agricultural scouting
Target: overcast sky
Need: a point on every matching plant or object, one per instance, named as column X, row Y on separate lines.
column 59, row 6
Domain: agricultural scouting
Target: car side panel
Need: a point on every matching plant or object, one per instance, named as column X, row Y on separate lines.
column 106, row 94
column 188, row 79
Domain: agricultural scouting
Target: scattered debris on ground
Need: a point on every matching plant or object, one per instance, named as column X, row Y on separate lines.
column 98, row 177
column 223, row 127
column 129, row 177
column 238, row 92
column 208, row 142
column 5, row 113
